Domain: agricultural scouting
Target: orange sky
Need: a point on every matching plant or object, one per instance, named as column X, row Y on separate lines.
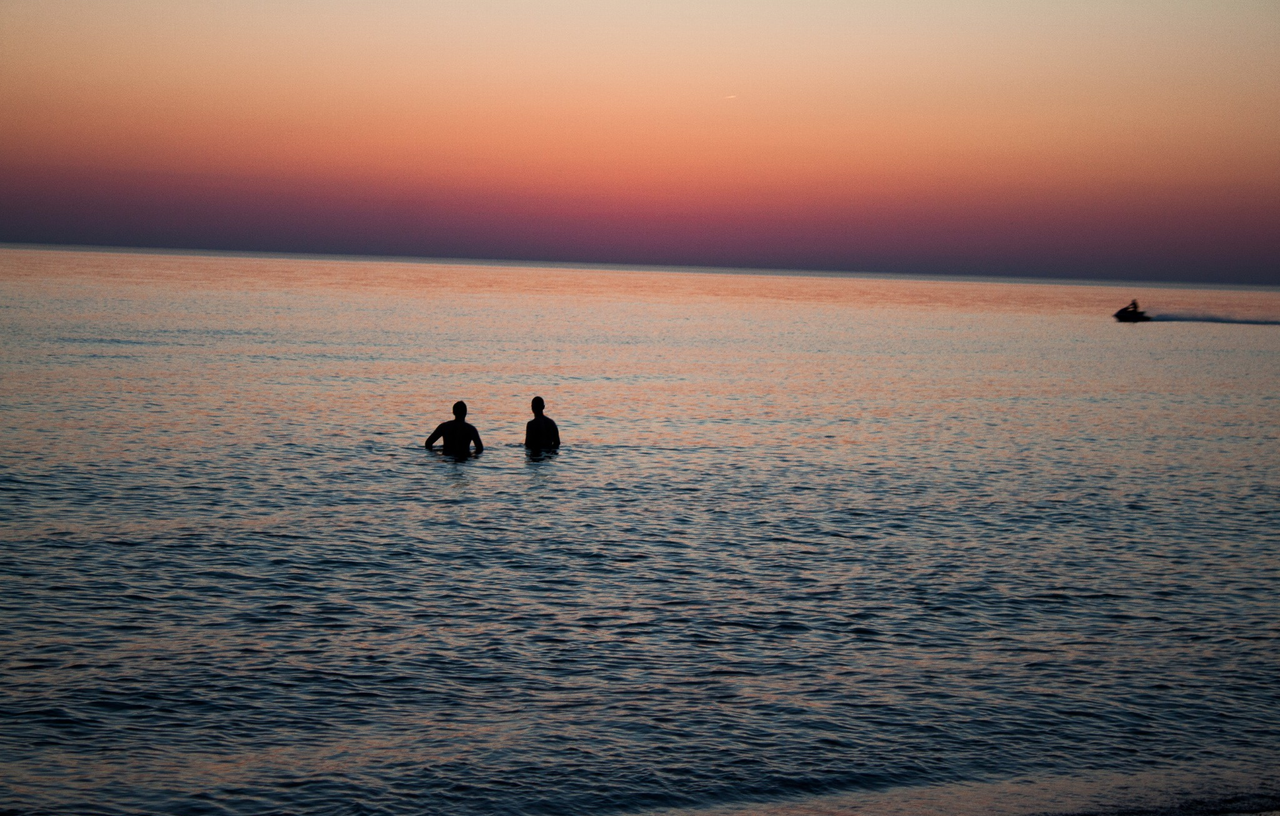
column 936, row 125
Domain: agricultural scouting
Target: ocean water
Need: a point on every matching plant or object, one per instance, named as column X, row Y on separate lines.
column 814, row 545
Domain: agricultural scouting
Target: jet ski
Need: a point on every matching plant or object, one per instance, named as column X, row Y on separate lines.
column 1131, row 314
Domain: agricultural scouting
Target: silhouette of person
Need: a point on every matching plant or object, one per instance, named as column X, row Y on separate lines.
column 541, row 433
column 458, row 434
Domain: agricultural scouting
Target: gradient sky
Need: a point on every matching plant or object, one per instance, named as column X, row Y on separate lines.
column 1131, row 140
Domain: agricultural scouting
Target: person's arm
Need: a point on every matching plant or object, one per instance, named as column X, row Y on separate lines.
column 475, row 437
column 436, row 434
column 528, row 434
column 555, row 435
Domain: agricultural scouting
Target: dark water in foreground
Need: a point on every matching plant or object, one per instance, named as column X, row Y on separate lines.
column 813, row 545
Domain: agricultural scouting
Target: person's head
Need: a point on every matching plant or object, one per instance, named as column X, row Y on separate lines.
column 460, row 410
column 538, row 405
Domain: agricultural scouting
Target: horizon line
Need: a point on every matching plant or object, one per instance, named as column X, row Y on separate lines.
column 958, row 277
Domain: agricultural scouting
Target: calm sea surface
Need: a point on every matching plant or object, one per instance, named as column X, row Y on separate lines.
column 813, row 545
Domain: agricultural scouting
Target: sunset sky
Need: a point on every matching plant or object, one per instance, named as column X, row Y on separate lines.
column 1110, row 139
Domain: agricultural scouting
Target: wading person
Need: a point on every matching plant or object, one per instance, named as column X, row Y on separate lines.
column 541, row 433
column 458, row 434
